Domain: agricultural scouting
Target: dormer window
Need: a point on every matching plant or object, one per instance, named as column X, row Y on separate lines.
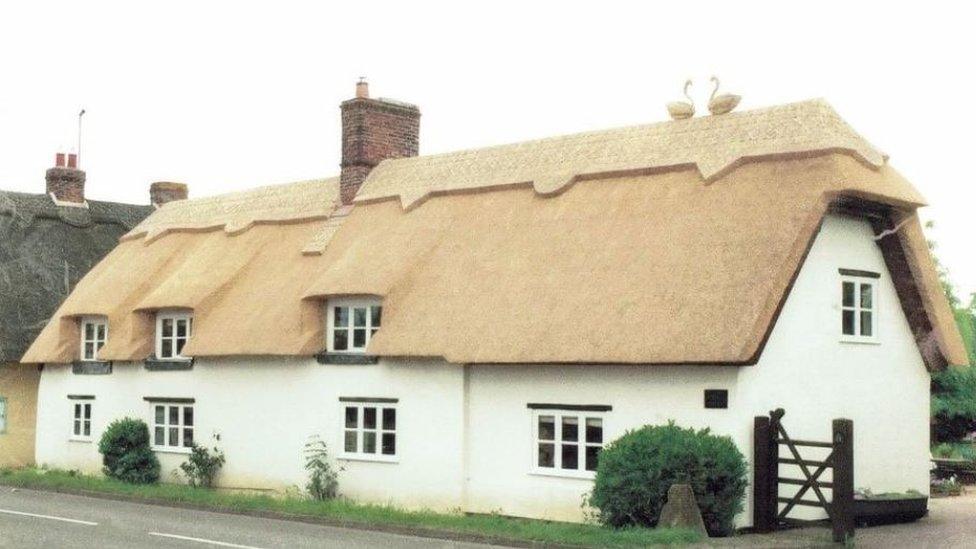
column 352, row 323
column 173, row 331
column 94, row 334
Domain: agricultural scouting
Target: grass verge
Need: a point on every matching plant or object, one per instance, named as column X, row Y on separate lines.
column 343, row 512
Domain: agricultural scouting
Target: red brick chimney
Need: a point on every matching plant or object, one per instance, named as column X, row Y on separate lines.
column 66, row 182
column 372, row 131
column 162, row 192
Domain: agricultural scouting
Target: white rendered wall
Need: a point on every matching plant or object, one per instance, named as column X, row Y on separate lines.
column 805, row 369
column 265, row 408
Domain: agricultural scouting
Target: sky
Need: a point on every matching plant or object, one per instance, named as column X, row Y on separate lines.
column 225, row 96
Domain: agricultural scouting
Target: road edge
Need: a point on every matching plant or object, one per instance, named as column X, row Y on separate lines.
column 429, row 533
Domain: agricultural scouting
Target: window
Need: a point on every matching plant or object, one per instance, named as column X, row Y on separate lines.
column 172, row 426
column 352, row 323
column 369, row 430
column 173, row 330
column 3, row 415
column 94, row 333
column 567, row 442
column 81, row 422
column 858, row 308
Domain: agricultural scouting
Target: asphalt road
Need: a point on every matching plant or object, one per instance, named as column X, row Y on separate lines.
column 43, row 519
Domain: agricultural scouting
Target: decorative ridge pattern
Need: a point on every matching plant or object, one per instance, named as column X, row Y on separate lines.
column 237, row 212
column 714, row 144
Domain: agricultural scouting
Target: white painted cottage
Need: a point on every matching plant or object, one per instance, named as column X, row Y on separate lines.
column 466, row 330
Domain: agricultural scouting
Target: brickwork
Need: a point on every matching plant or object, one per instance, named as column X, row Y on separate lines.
column 67, row 184
column 162, row 192
column 372, row 131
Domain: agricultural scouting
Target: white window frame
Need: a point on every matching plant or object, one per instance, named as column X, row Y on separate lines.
column 3, row 414
column 180, row 425
column 175, row 317
column 857, row 309
column 97, row 341
column 79, row 409
column 360, row 431
column 558, row 414
column 351, row 304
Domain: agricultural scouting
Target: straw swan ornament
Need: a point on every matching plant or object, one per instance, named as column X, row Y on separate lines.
column 679, row 110
column 724, row 103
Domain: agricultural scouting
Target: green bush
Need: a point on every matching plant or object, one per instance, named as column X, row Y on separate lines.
column 954, row 403
column 126, row 454
column 323, row 477
column 201, row 467
column 636, row 470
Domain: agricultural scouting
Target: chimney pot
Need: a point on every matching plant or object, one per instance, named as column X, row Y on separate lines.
column 362, row 88
column 66, row 182
column 162, row 192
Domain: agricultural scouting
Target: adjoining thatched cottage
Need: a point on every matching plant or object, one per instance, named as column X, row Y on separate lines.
column 47, row 243
column 466, row 330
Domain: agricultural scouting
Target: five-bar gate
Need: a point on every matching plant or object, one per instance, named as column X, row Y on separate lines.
column 770, row 436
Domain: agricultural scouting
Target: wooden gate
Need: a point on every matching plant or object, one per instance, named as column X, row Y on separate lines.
column 769, row 437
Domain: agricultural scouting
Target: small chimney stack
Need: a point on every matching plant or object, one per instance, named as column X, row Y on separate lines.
column 372, row 131
column 65, row 182
column 162, row 192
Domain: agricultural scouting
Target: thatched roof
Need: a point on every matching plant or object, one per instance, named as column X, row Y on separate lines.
column 44, row 250
column 624, row 265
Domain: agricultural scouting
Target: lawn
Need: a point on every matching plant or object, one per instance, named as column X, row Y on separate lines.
column 348, row 513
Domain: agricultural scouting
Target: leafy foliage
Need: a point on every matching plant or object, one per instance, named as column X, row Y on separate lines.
column 636, row 471
column 126, row 455
column 201, row 467
column 954, row 390
column 323, row 478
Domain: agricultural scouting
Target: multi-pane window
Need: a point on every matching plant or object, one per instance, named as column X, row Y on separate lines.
column 352, row 323
column 172, row 425
column 94, row 333
column 369, row 430
column 567, row 442
column 173, row 331
column 858, row 308
column 81, row 422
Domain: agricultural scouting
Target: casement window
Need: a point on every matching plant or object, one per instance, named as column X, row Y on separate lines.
column 172, row 426
column 859, row 306
column 3, row 415
column 567, row 440
column 352, row 323
column 173, row 331
column 81, row 422
column 94, row 334
column 369, row 429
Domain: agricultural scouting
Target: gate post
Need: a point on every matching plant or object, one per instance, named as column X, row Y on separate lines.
column 765, row 471
column 842, row 506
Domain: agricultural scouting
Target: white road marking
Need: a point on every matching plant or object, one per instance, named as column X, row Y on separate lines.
column 201, row 540
column 49, row 517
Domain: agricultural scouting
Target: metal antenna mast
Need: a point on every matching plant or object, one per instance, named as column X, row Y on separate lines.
column 80, row 114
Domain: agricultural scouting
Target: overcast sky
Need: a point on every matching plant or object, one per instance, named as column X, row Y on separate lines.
column 225, row 96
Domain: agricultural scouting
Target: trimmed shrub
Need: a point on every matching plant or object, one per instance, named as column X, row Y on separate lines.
column 636, row 470
column 126, row 454
column 202, row 466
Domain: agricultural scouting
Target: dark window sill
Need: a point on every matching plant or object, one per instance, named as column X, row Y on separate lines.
column 91, row 368
column 154, row 364
column 345, row 358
